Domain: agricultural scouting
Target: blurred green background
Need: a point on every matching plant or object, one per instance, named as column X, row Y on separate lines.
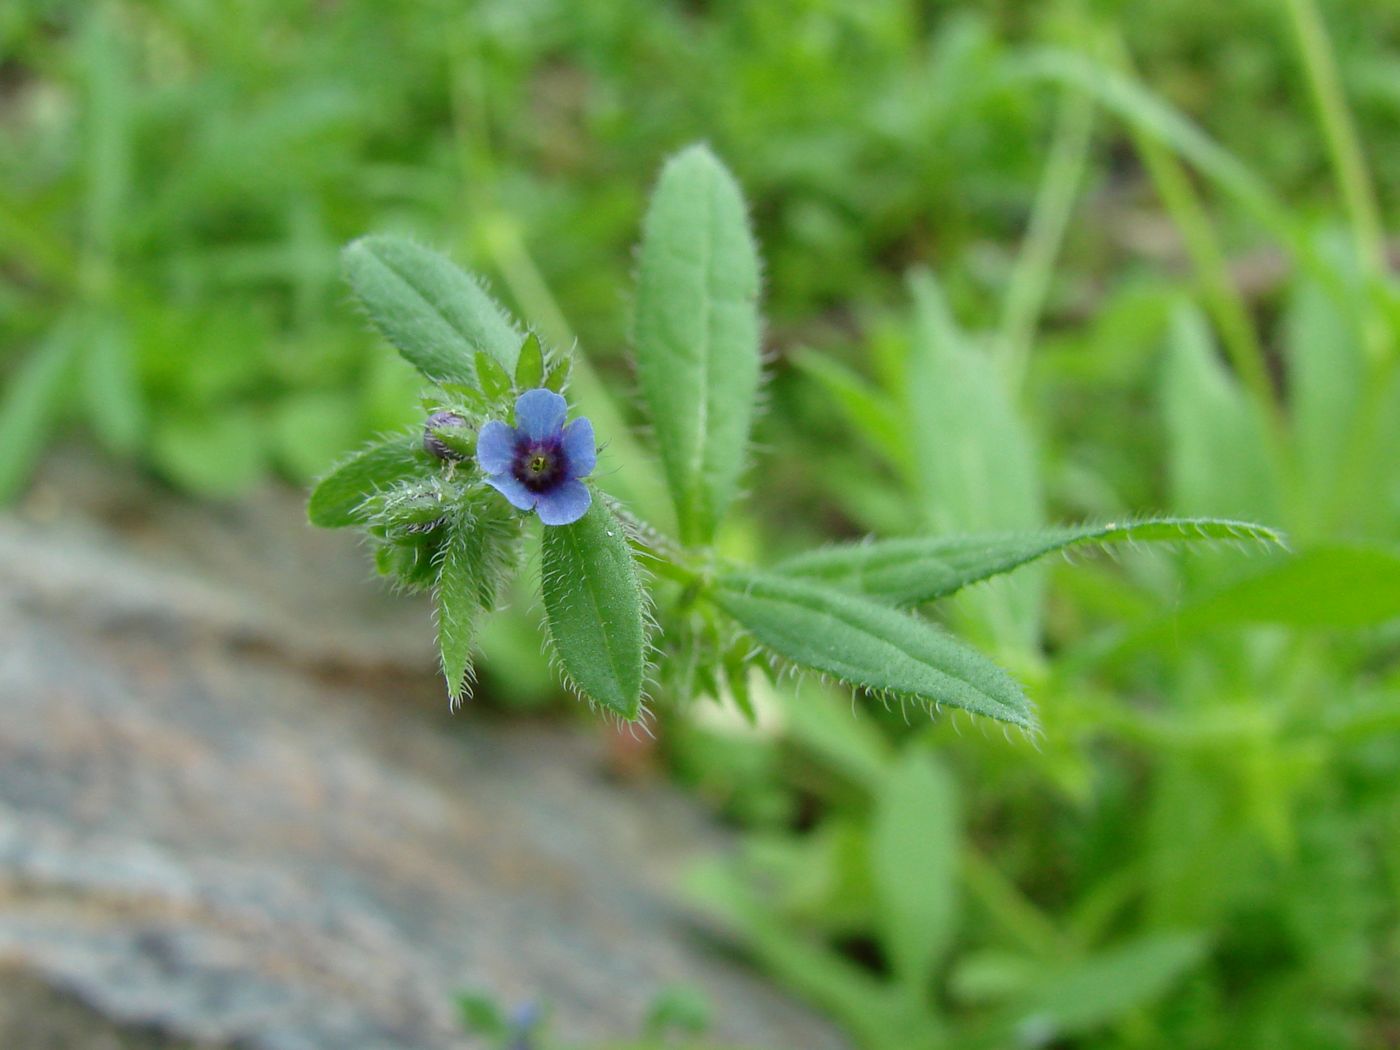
column 1025, row 262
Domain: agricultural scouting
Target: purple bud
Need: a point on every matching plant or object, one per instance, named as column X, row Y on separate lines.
column 441, row 421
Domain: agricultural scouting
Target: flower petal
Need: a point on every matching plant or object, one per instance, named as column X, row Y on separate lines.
column 520, row 497
column 539, row 413
column 495, row 447
column 579, row 448
column 564, row 504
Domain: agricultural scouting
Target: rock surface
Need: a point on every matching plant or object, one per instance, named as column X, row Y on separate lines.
column 233, row 810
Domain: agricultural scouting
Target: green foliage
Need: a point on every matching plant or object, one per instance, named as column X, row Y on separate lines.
column 1336, row 587
column 476, row 557
column 339, row 497
column 913, row 862
column 1105, row 986
column 869, row 646
column 1222, row 462
column 440, row 319
column 31, row 404
column 697, row 335
column 529, row 369
column 914, row 571
column 595, row 609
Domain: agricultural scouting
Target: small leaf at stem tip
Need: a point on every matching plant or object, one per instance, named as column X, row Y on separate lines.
column 557, row 376
column 494, row 380
column 529, row 369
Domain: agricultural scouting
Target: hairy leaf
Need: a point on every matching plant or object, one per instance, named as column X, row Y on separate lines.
column 913, row 571
column 337, row 500
column 458, row 601
column 697, row 334
column 477, row 556
column 869, row 645
column 593, row 603
column 435, row 314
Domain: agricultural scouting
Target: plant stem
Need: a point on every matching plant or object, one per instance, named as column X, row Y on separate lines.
column 1348, row 162
column 1222, row 297
column 1344, row 147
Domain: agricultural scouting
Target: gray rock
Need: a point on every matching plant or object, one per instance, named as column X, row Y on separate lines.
column 234, row 810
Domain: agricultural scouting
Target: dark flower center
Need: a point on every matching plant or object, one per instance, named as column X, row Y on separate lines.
column 540, row 465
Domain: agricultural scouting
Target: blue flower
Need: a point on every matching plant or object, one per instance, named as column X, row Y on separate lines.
column 537, row 463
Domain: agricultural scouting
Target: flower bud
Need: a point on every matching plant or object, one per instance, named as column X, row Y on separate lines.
column 433, row 443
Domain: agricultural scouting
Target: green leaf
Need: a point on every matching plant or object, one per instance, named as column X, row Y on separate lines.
column 407, row 509
column 975, row 461
column 1326, row 587
column 529, row 369
column 1077, row 998
column 470, row 574
column 697, row 334
column 924, row 569
column 481, row 1016
column 494, row 380
column 869, row 645
column 458, row 589
column 111, row 388
column 435, row 314
column 31, row 405
column 913, row 862
column 593, row 603
column 677, row 1008
column 337, row 500
column 1326, row 384
column 1219, row 453
column 560, row 369
column 412, row 559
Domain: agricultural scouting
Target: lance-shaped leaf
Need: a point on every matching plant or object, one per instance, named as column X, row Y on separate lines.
column 32, row 402
column 339, row 499
column 913, row 571
column 437, row 316
column 913, row 865
column 593, row 604
column 477, row 554
column 697, row 334
column 869, row 645
column 458, row 601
